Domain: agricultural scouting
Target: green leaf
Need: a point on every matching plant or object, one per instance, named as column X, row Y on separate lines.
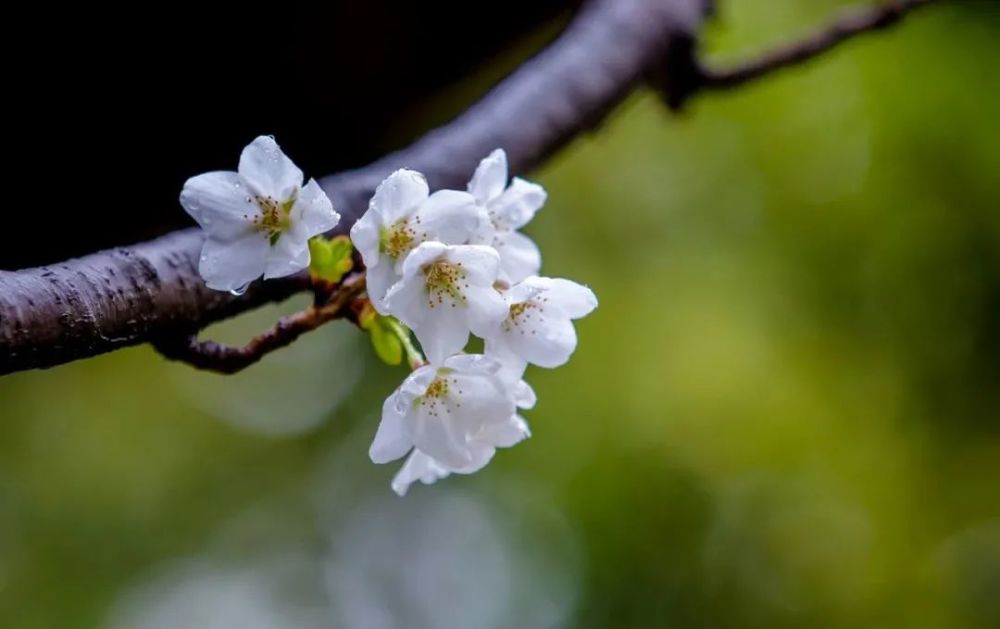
column 329, row 260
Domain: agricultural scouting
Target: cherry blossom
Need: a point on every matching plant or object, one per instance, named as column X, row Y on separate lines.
column 509, row 208
column 402, row 215
column 446, row 291
column 538, row 328
column 452, row 417
column 258, row 220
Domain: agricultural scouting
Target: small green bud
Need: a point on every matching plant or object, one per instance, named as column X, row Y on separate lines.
column 387, row 345
column 390, row 338
column 330, row 259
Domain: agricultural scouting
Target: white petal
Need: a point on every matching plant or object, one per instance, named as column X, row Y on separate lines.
column 406, row 299
column 415, row 385
column 524, row 395
column 519, row 256
column 543, row 340
column 290, row 254
column 392, row 440
column 420, row 467
column 313, row 211
column 506, row 434
column 423, row 254
column 480, row 454
column 219, row 202
column 399, row 195
column 490, row 178
column 512, row 365
column 268, row 171
column 485, row 398
column 442, row 332
column 451, row 217
column 473, row 364
column 379, row 280
column 234, row 264
column 527, row 289
column 486, row 310
column 365, row 236
column 518, row 204
column 569, row 299
column 480, row 263
column 441, row 435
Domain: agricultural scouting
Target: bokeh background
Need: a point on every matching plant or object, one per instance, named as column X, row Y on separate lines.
column 785, row 412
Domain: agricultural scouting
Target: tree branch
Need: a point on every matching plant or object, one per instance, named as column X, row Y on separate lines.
column 152, row 291
column 843, row 28
column 113, row 299
column 226, row 359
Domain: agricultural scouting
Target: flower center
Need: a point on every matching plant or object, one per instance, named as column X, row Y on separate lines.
column 500, row 223
column 275, row 216
column 444, row 279
column 436, row 396
column 437, row 389
column 519, row 313
column 396, row 240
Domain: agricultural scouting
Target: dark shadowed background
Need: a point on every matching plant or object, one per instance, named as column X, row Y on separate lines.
column 785, row 412
column 110, row 110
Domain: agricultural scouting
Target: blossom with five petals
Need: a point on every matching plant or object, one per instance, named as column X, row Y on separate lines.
column 446, row 291
column 538, row 328
column 453, row 417
column 258, row 220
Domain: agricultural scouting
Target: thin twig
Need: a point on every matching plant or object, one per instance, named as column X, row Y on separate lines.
column 227, row 359
column 849, row 24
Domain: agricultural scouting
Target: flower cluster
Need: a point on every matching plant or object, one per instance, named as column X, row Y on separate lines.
column 451, row 264
column 445, row 265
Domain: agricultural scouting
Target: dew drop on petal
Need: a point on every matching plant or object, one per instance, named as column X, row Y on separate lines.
column 400, row 405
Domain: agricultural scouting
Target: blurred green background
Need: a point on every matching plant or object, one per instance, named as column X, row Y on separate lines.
column 785, row 412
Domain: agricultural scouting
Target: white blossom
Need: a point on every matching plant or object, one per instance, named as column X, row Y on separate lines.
column 452, row 417
column 427, row 470
column 418, row 466
column 538, row 328
column 509, row 208
column 403, row 214
column 445, row 292
column 258, row 220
